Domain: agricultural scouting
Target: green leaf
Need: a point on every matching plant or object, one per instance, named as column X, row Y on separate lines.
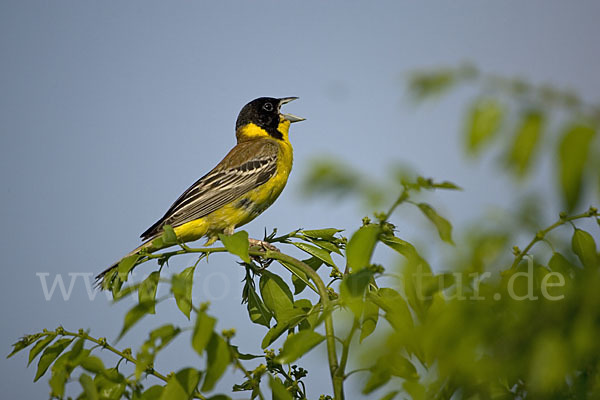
column 237, row 244
column 415, row 390
column 218, row 357
column 181, row 286
column 166, row 239
column 164, row 334
column 147, row 289
column 399, row 366
column 391, row 364
column 258, row 312
column 274, row 333
column 89, row 388
column 168, row 235
column 49, row 355
column 377, row 378
column 446, row 185
column 134, row 315
column 39, row 346
column 152, row 393
column 299, row 278
column 276, row 294
column 352, row 290
column 390, row 395
column 444, row 227
column 526, row 140
column 289, row 319
column 401, row 246
column 76, row 349
column 60, row 374
column 110, row 385
column 315, row 251
column 23, row 343
column 279, row 390
column 298, row 344
column 483, row 123
column 361, row 245
column 369, row 319
column 203, row 331
column 558, row 263
column 92, row 364
column 126, row 265
column 584, row 246
column 573, row 154
column 325, row 234
column 431, row 84
column 182, row 385
column 354, row 284
column 325, row 245
column 397, row 312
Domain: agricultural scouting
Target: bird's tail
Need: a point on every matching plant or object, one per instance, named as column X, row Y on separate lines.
column 106, row 277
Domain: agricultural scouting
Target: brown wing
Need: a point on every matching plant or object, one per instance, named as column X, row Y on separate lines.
column 247, row 166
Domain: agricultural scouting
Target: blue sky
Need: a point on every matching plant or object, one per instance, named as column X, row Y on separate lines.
column 109, row 110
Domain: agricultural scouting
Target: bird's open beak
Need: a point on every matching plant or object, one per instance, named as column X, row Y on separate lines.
column 289, row 117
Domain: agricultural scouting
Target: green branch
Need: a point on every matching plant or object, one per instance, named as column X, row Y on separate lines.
column 125, row 354
column 338, row 389
column 540, row 235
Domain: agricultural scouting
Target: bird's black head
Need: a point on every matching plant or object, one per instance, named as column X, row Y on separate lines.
column 264, row 112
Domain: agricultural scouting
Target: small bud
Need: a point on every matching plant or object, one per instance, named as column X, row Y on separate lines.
column 127, row 352
column 562, row 215
column 539, row 235
column 516, row 250
column 204, row 306
column 380, row 216
column 366, row 221
column 228, row 333
column 335, row 273
column 60, row 330
column 376, row 268
column 593, row 211
column 269, row 353
column 332, row 294
column 260, row 370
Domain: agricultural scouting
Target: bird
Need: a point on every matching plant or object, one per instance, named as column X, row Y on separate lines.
column 243, row 185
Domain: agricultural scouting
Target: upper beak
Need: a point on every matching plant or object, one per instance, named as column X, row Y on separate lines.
column 289, row 117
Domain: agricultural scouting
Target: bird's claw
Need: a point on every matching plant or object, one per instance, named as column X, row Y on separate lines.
column 262, row 244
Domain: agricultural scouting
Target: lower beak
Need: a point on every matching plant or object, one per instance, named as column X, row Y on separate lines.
column 289, row 117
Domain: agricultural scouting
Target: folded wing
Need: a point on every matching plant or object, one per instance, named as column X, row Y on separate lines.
column 247, row 166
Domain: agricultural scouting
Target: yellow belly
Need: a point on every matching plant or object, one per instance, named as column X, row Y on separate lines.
column 243, row 209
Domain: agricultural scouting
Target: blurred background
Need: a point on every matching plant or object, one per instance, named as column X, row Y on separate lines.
column 108, row 111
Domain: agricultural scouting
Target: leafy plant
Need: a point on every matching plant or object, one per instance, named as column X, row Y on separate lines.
column 492, row 320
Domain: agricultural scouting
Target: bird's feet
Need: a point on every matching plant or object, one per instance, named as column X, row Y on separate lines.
column 262, row 244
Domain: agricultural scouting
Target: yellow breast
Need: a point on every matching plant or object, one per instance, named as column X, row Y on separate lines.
column 247, row 207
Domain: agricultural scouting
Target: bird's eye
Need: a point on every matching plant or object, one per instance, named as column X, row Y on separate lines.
column 268, row 107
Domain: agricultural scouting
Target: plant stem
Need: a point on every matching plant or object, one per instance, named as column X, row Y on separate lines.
column 336, row 378
column 403, row 196
column 125, row 355
column 541, row 234
column 346, row 349
column 338, row 387
column 239, row 364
